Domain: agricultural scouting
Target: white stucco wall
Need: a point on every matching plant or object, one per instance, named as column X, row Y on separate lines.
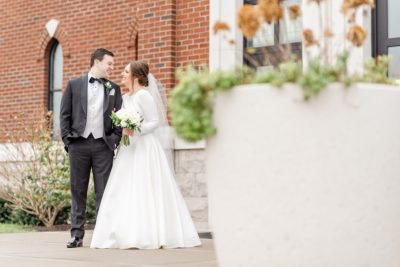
column 321, row 189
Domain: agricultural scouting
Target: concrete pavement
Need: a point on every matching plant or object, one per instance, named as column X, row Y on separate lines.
column 47, row 249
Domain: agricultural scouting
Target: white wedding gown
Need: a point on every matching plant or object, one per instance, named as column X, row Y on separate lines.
column 142, row 206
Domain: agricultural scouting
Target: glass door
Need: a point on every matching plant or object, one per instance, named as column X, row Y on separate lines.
column 264, row 50
column 387, row 33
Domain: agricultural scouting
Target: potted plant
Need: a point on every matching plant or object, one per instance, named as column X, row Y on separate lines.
column 302, row 163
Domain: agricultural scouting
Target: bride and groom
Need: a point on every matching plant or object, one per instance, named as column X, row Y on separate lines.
column 138, row 202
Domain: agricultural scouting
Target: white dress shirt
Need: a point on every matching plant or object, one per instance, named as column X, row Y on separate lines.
column 94, row 118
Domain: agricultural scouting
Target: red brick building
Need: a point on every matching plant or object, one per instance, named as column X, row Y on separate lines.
column 165, row 33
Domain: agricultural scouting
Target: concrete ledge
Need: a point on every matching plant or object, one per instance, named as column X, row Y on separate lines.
column 181, row 144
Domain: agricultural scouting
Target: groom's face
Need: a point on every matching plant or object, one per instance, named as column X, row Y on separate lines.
column 105, row 66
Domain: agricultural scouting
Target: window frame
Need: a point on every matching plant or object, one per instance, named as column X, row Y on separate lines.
column 51, row 90
column 381, row 42
column 259, row 54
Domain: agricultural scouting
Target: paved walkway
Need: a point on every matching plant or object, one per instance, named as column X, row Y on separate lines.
column 47, row 249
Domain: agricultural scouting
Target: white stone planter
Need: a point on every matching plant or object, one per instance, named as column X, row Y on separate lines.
column 313, row 184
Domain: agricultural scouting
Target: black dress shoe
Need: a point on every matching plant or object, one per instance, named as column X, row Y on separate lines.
column 75, row 242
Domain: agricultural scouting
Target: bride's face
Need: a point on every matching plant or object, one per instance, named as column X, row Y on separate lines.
column 126, row 76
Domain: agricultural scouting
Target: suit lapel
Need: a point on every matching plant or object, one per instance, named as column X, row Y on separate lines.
column 106, row 98
column 84, row 92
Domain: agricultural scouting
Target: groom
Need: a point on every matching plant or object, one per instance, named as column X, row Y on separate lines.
column 89, row 135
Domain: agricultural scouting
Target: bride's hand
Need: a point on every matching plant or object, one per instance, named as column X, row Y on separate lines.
column 127, row 132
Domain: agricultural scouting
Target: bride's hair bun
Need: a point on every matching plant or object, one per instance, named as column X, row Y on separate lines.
column 140, row 70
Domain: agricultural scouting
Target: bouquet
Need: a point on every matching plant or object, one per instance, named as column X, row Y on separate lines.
column 129, row 119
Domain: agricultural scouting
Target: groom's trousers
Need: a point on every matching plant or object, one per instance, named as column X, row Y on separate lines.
column 85, row 155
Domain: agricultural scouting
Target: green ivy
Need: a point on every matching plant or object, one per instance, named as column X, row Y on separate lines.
column 287, row 72
column 376, row 70
column 314, row 79
column 190, row 106
column 191, row 101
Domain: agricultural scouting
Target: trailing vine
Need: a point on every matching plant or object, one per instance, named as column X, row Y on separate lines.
column 191, row 101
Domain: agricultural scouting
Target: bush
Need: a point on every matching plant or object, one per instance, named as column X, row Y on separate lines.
column 37, row 179
column 64, row 215
column 16, row 216
column 22, row 217
column 91, row 207
column 5, row 211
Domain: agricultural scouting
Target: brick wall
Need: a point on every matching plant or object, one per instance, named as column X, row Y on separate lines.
column 171, row 33
column 192, row 32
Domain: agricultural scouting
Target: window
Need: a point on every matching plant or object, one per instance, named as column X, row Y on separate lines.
column 55, row 84
column 386, row 33
column 263, row 51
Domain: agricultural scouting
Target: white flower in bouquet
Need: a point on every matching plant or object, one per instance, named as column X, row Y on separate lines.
column 134, row 117
column 129, row 119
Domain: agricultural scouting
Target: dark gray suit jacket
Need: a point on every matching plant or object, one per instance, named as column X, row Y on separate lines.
column 74, row 108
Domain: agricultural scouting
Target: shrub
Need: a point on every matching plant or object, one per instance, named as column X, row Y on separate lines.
column 5, row 211
column 37, row 173
column 16, row 216
column 64, row 215
column 22, row 217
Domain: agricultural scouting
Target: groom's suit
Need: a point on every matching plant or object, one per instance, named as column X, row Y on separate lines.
column 89, row 138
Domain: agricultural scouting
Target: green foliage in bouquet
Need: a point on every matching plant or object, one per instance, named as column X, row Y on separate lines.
column 115, row 119
column 128, row 119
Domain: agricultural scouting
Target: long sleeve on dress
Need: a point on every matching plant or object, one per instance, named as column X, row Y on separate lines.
column 150, row 114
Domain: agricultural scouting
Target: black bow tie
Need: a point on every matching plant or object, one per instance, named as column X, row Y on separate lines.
column 93, row 79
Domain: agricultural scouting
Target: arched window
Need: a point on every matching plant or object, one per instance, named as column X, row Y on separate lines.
column 137, row 47
column 55, row 84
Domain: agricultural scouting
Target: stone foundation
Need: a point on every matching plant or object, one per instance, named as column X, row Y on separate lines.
column 190, row 176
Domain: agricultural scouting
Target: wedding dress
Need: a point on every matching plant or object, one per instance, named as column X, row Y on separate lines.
column 142, row 206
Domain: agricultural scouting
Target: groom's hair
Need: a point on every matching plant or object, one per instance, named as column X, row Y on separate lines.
column 99, row 54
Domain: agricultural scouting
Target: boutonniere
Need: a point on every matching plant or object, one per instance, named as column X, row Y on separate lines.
column 108, row 85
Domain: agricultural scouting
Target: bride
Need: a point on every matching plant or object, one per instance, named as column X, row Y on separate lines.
column 142, row 206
